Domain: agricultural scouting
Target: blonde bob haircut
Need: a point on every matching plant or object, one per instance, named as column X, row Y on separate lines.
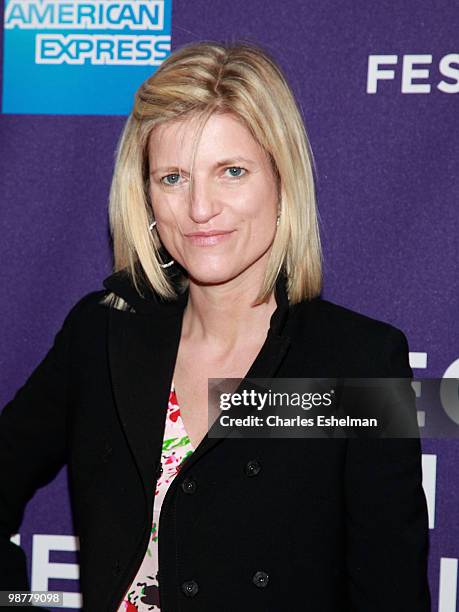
column 198, row 80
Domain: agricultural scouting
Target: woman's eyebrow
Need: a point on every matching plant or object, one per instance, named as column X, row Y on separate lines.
column 164, row 169
column 223, row 162
column 233, row 160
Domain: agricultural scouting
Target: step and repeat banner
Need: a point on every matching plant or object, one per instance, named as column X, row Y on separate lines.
column 378, row 85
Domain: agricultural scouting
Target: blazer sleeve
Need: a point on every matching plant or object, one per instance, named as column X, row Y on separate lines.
column 386, row 513
column 32, row 446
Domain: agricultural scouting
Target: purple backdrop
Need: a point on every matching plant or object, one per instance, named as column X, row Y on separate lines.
column 387, row 191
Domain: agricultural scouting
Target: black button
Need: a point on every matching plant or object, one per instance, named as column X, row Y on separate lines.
column 260, row 579
column 116, row 568
column 190, row 588
column 189, row 485
column 252, row 467
column 159, row 470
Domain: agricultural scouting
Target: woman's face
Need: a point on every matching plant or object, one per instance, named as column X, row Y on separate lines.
column 233, row 190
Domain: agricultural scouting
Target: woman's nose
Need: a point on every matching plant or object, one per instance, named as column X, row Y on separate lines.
column 203, row 202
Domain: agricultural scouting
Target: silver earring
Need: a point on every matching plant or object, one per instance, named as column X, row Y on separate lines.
column 278, row 219
column 169, row 263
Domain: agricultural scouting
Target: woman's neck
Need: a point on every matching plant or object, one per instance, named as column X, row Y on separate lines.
column 222, row 316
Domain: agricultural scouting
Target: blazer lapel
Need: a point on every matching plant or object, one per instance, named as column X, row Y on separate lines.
column 142, row 349
column 141, row 367
column 265, row 365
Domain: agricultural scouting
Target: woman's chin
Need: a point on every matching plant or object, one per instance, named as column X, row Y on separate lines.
column 206, row 275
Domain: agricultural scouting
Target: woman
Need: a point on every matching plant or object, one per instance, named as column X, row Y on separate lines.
column 217, row 275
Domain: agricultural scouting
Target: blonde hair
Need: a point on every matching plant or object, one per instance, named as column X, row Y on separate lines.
column 200, row 79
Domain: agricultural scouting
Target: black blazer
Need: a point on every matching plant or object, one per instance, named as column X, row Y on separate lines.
column 326, row 525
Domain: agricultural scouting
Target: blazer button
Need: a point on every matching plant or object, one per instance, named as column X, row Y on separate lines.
column 189, row 486
column 116, row 568
column 190, row 588
column 159, row 470
column 252, row 468
column 260, row 579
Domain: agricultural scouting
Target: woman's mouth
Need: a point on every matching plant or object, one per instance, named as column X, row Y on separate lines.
column 208, row 238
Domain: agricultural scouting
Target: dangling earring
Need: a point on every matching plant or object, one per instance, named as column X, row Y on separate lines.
column 278, row 219
column 169, row 263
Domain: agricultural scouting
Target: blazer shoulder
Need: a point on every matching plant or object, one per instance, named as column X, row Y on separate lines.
column 85, row 306
column 351, row 337
column 340, row 319
column 86, row 315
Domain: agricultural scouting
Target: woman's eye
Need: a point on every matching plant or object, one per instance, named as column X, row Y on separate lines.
column 174, row 179
column 235, row 170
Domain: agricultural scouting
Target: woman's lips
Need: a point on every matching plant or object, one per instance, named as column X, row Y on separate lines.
column 209, row 240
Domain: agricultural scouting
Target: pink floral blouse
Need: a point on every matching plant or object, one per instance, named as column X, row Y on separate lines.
column 143, row 594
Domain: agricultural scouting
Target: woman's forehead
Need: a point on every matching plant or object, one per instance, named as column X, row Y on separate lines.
column 223, row 136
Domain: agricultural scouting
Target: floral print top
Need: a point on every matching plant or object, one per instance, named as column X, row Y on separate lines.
column 143, row 594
